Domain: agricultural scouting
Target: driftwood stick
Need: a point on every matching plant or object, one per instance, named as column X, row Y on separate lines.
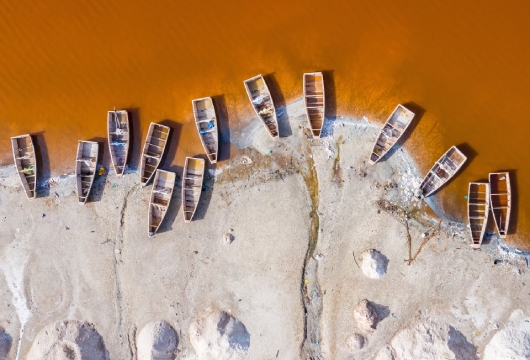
column 424, row 242
column 409, row 241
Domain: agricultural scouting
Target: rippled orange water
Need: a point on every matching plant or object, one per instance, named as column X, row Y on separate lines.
column 63, row 64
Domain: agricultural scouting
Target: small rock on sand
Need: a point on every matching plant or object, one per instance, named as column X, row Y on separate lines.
column 157, row 341
column 217, row 335
column 5, row 344
column 373, row 264
column 355, row 342
column 70, row 339
column 228, row 238
column 365, row 316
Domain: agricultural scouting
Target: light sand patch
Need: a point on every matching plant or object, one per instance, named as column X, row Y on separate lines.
column 68, row 340
column 157, row 341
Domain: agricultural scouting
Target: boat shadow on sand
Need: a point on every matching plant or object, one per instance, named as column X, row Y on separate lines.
column 284, row 127
column 330, row 112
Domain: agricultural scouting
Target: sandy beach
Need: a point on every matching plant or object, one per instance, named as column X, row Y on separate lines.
column 301, row 213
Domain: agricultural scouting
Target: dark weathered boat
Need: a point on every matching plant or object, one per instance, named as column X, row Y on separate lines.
column 501, row 201
column 26, row 163
column 261, row 100
column 442, row 171
column 161, row 193
column 154, row 146
column 192, row 178
column 394, row 128
column 314, row 101
column 118, row 135
column 85, row 170
column 206, row 122
column 478, row 198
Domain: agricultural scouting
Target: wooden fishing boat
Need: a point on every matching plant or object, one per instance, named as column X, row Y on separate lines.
column 261, row 99
column 443, row 170
column 394, row 128
column 501, row 201
column 206, row 122
column 478, row 198
column 26, row 163
column 191, row 186
column 315, row 101
column 161, row 193
column 118, row 135
column 85, row 169
column 154, row 146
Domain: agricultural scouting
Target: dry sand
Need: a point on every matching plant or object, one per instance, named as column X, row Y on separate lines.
column 300, row 213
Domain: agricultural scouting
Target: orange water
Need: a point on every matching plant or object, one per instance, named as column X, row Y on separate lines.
column 63, row 64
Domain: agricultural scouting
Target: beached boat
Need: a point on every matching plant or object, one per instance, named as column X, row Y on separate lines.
column 315, row 101
column 161, row 193
column 443, row 170
column 118, row 135
column 154, row 146
column 478, row 198
column 85, row 169
column 391, row 132
column 501, row 201
column 206, row 122
column 261, row 99
column 191, row 186
column 26, row 163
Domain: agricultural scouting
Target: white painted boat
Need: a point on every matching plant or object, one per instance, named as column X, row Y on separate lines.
column 154, row 146
column 442, row 171
column 118, row 136
column 206, row 122
column 85, row 170
column 26, row 163
column 163, row 185
column 501, row 201
column 314, row 101
column 394, row 128
column 192, row 179
column 261, row 100
column 478, row 199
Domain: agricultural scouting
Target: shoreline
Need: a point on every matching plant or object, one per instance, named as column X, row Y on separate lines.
column 298, row 209
column 245, row 137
